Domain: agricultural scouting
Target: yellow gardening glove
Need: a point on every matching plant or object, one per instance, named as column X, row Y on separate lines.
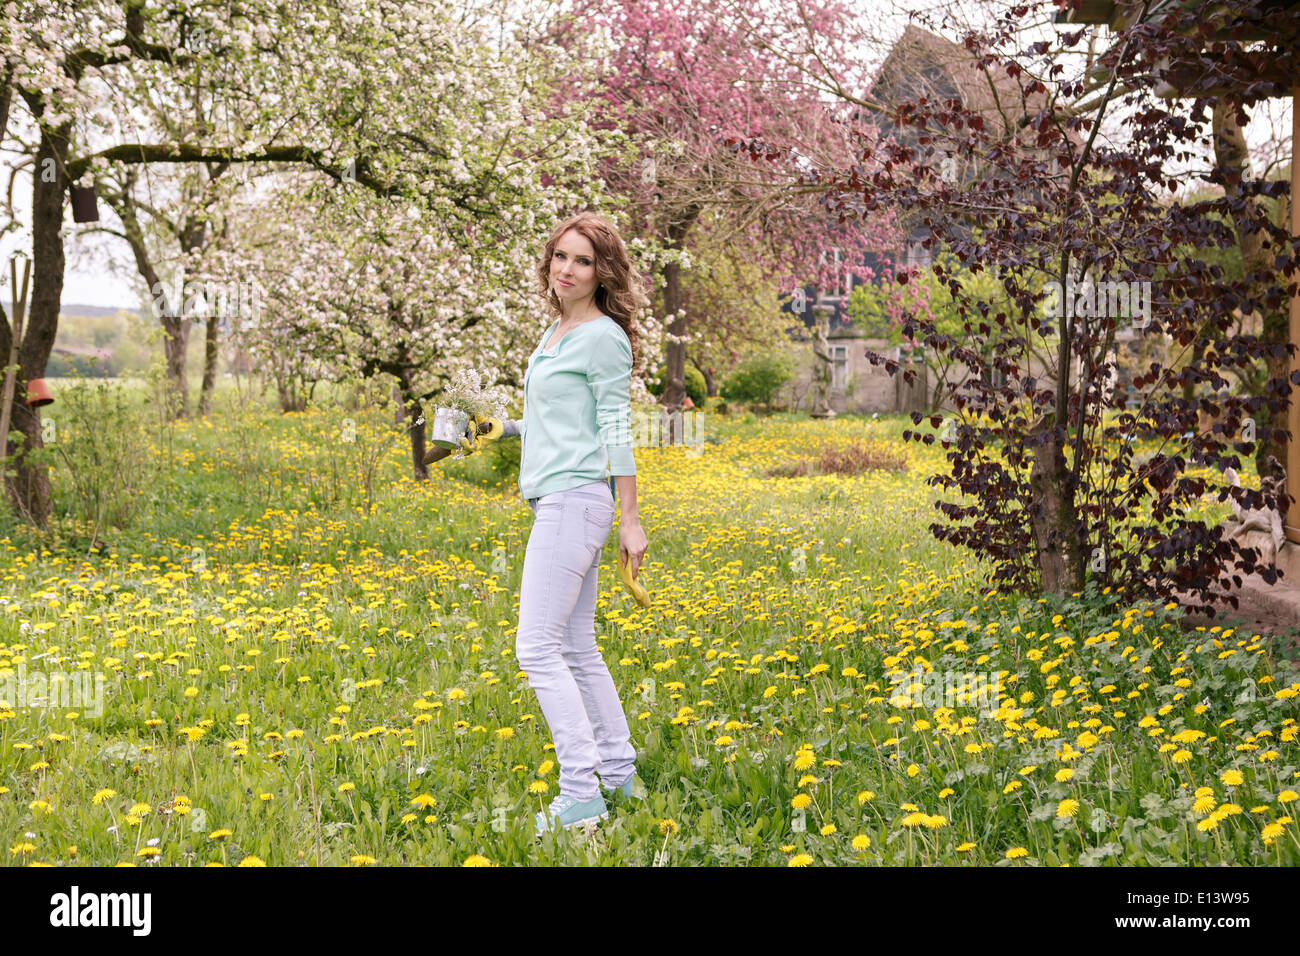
column 635, row 588
column 488, row 428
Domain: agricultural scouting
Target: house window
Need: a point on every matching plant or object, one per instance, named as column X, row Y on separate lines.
column 916, row 256
column 842, row 281
column 839, row 366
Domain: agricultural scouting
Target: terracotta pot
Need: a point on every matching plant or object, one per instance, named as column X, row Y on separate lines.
column 38, row 393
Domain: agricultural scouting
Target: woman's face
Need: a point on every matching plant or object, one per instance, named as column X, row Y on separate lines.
column 573, row 269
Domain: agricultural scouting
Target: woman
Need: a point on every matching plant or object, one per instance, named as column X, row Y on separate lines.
column 577, row 453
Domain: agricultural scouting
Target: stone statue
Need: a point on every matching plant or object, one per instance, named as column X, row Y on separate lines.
column 821, row 370
column 1255, row 527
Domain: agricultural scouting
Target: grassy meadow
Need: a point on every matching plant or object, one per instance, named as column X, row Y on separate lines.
column 307, row 658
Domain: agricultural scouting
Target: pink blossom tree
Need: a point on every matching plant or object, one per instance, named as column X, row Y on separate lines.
column 687, row 82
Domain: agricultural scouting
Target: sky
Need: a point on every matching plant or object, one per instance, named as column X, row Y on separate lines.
column 101, row 272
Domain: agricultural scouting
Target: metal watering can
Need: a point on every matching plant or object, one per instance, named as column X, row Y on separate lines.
column 449, row 424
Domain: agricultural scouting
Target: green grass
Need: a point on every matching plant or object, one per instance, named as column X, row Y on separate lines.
column 344, row 663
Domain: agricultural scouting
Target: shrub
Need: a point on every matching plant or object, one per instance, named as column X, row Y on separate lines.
column 696, row 390
column 102, row 469
column 758, row 380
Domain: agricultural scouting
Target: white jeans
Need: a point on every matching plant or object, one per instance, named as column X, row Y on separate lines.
column 556, row 642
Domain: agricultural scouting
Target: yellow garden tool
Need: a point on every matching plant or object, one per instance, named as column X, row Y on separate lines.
column 636, row 589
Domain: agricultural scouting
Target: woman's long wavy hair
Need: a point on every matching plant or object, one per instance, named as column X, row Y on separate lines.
column 617, row 294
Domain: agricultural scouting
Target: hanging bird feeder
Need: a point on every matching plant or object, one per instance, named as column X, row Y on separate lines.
column 84, row 207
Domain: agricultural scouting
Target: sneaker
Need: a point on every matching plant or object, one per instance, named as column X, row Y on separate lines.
column 568, row 813
column 630, row 789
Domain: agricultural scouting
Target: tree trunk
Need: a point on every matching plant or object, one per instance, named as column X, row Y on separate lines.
column 675, row 373
column 710, row 382
column 289, row 388
column 176, row 339
column 210, row 353
column 1230, row 151
column 29, row 486
column 411, row 401
column 176, row 330
column 1059, row 554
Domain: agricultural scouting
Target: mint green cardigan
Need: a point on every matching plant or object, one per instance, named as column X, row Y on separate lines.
column 577, row 424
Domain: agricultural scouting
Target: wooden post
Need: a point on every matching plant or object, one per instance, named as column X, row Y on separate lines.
column 11, row 369
column 1293, row 414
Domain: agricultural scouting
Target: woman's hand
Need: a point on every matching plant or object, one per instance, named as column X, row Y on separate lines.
column 632, row 543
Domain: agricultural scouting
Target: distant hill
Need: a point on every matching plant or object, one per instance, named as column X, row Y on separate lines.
column 96, row 340
column 94, row 311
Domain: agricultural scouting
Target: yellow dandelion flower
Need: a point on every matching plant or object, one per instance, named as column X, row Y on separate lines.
column 800, row 859
column 668, row 826
column 476, row 860
column 361, row 860
column 1067, row 807
column 1016, row 852
column 1288, row 796
column 424, row 801
column 251, row 861
column 1209, row 823
column 861, row 842
column 800, row 801
column 965, row 847
column 1064, row 774
column 828, row 829
column 864, row 796
column 102, row 795
column 1231, row 778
